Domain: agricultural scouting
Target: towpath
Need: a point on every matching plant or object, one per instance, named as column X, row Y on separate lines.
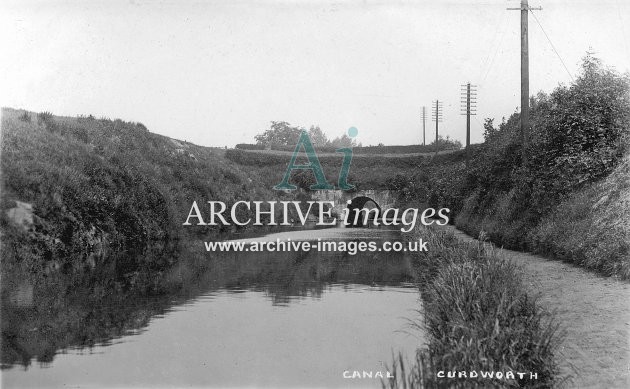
column 594, row 313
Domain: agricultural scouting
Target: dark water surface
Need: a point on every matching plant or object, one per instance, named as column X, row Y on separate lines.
column 216, row 319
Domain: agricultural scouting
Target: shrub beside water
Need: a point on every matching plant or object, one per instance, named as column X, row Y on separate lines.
column 477, row 317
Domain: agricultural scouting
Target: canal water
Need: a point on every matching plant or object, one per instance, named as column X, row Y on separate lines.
column 237, row 319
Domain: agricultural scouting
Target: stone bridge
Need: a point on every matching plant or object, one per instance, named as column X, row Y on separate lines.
column 382, row 198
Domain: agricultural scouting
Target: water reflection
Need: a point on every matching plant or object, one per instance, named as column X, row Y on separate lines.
column 310, row 314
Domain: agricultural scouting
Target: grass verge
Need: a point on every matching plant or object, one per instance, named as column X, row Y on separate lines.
column 477, row 317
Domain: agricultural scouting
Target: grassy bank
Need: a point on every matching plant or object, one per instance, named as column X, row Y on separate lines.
column 591, row 228
column 565, row 192
column 72, row 185
column 477, row 317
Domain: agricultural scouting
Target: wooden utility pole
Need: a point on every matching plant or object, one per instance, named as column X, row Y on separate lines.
column 437, row 118
column 524, row 8
column 424, row 119
column 524, row 74
column 469, row 107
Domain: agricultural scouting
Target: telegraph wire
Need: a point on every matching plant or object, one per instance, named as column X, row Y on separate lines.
column 552, row 46
column 495, row 51
column 499, row 23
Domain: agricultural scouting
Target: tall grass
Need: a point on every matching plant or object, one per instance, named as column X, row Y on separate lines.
column 477, row 317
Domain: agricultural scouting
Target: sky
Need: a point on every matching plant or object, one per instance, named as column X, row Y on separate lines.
column 216, row 73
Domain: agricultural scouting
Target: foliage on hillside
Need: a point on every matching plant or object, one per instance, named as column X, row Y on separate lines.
column 96, row 183
column 579, row 136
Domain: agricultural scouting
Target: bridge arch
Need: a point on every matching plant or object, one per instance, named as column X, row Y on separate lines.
column 356, row 205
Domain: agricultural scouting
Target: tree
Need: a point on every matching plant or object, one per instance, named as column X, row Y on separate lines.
column 283, row 134
column 318, row 138
column 280, row 134
column 580, row 131
column 488, row 129
column 343, row 141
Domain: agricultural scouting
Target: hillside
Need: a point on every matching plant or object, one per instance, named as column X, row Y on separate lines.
column 72, row 185
column 591, row 228
column 564, row 194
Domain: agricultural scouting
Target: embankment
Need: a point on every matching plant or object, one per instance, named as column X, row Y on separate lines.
column 565, row 192
column 72, row 186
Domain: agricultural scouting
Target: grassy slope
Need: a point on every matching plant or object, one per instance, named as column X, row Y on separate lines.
column 95, row 183
column 591, row 228
column 588, row 228
column 569, row 197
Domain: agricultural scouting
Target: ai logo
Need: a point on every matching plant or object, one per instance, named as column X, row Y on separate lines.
column 314, row 165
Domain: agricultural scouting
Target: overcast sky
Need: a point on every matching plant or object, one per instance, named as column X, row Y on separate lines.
column 216, row 73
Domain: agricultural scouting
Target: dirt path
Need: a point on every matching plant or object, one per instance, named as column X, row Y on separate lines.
column 594, row 312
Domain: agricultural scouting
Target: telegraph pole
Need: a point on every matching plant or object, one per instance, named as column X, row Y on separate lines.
column 469, row 107
column 524, row 8
column 424, row 119
column 437, row 118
